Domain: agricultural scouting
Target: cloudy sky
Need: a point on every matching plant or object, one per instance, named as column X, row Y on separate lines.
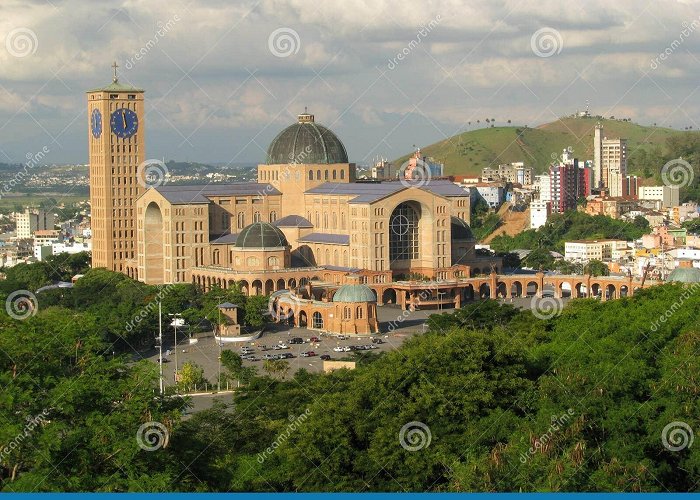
column 223, row 77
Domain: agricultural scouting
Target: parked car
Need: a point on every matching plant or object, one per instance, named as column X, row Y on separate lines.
column 296, row 340
column 377, row 341
column 269, row 356
column 342, row 337
column 347, row 348
column 283, row 346
column 314, row 339
column 285, row 355
column 339, row 348
column 308, row 354
column 325, row 357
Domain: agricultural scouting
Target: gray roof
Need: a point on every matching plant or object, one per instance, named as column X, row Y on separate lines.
column 368, row 192
column 354, row 293
column 229, row 238
column 306, row 142
column 293, row 221
column 261, row 235
column 183, row 195
column 335, row 239
column 116, row 87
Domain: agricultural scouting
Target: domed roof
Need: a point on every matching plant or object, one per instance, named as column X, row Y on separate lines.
column 261, row 235
column 685, row 275
column 306, row 142
column 460, row 229
column 354, row 293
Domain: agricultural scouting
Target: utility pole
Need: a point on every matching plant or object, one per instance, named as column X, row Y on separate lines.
column 160, row 345
column 220, row 341
column 176, row 319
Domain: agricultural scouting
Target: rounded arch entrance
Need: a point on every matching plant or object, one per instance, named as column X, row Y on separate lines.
column 154, row 244
column 410, row 227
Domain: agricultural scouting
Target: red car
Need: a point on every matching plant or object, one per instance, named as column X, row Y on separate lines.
column 314, row 339
column 308, row 354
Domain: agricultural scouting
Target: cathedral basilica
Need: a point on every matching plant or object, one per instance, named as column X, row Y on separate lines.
column 307, row 226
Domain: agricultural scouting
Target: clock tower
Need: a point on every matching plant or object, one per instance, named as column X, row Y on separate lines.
column 116, row 149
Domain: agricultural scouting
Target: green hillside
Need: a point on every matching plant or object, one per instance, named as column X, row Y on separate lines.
column 467, row 153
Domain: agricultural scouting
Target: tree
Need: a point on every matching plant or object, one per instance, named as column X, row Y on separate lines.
column 255, row 311
column 276, row 367
column 596, row 268
column 232, row 362
column 539, row 258
column 191, row 376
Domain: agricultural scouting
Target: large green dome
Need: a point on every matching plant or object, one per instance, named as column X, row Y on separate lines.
column 685, row 275
column 354, row 293
column 306, row 142
column 261, row 235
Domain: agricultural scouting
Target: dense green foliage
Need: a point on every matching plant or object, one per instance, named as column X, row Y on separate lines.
column 570, row 226
column 485, row 382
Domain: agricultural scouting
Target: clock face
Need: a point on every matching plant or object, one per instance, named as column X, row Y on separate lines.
column 96, row 123
column 124, row 123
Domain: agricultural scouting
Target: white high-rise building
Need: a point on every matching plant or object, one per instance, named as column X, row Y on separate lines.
column 32, row 220
column 597, row 151
column 539, row 212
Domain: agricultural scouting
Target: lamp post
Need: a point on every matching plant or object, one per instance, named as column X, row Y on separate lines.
column 160, row 346
column 177, row 318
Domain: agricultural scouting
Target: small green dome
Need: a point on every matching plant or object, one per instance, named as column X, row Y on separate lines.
column 354, row 293
column 306, row 142
column 685, row 275
column 261, row 235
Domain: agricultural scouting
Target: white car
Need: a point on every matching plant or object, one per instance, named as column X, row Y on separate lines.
column 339, row 349
column 283, row 346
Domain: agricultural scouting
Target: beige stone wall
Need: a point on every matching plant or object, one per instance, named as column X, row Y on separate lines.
column 114, row 186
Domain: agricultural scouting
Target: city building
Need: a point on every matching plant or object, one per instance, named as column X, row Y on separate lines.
column 514, row 173
column 566, row 186
column 421, row 167
column 383, row 170
column 610, row 207
column 663, row 197
column 539, row 213
column 684, row 212
column 492, row 193
column 31, row 220
column 585, row 250
column 609, row 163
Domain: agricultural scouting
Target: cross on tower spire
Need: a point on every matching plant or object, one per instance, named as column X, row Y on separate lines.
column 114, row 67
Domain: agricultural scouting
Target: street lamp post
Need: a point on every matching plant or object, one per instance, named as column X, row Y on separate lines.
column 176, row 321
column 160, row 346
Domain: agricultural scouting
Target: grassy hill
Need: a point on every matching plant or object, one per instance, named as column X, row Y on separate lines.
column 467, row 153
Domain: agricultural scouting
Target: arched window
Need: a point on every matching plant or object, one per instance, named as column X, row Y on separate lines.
column 273, row 216
column 359, row 312
column 225, row 221
column 342, row 219
column 318, row 220
column 215, row 257
column 318, row 175
column 334, row 218
column 335, row 174
column 403, row 233
column 256, row 217
column 311, row 175
column 346, row 312
column 241, row 220
column 325, row 221
column 273, row 262
column 335, row 258
column 342, row 174
column 328, row 256
column 251, row 261
column 325, row 175
column 317, row 320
